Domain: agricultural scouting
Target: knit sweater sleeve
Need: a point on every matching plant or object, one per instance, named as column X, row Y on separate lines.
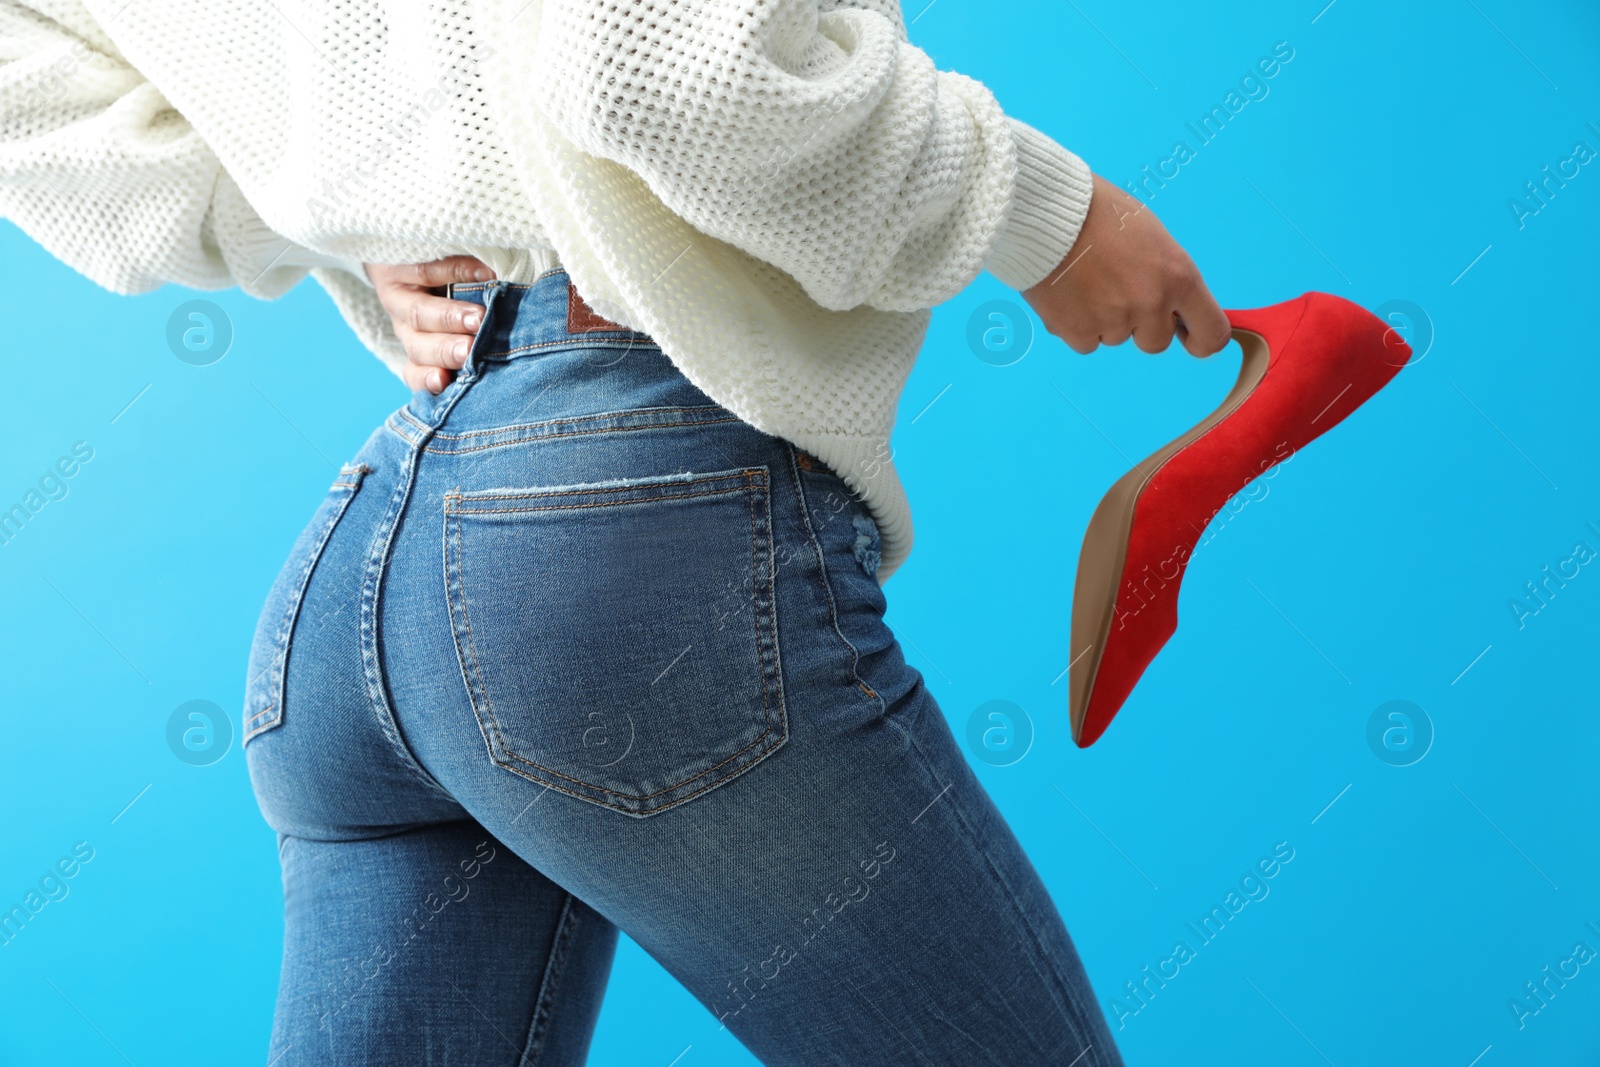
column 813, row 136
column 99, row 168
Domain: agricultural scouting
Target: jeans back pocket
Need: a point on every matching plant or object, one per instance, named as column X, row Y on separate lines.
column 619, row 639
column 269, row 652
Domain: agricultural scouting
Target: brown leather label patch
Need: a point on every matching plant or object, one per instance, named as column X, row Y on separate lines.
column 581, row 318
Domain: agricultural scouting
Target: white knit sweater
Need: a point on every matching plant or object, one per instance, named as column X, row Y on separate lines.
column 777, row 191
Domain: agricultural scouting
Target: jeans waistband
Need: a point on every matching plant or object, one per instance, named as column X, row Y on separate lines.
column 532, row 318
column 543, row 317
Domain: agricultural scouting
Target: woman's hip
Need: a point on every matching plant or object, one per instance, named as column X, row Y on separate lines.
column 583, row 570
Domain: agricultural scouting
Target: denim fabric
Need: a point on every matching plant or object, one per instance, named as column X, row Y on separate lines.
column 569, row 649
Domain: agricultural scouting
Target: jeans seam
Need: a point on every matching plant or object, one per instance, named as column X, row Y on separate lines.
column 371, row 624
column 510, row 442
column 716, row 412
column 271, row 716
column 827, row 588
column 371, row 614
column 560, row 953
column 627, row 344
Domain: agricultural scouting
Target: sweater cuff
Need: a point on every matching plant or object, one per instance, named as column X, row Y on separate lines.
column 1048, row 207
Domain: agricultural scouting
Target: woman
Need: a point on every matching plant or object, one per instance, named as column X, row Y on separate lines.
column 589, row 635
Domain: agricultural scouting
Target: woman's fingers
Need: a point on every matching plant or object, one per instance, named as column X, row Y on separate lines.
column 435, row 331
column 1153, row 333
column 435, row 349
column 1080, row 342
column 1205, row 328
column 437, row 272
column 1116, row 335
column 422, row 312
column 433, row 379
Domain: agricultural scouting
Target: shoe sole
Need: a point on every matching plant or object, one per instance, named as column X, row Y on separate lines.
column 1105, row 544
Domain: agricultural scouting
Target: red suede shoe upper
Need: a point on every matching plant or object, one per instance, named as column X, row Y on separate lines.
column 1327, row 356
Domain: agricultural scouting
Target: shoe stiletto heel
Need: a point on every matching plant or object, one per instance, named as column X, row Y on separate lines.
column 1307, row 364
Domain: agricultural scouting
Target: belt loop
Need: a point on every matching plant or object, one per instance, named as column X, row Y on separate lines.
column 491, row 291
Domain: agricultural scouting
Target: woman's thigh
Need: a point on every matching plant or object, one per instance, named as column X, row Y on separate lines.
column 434, row 946
column 654, row 663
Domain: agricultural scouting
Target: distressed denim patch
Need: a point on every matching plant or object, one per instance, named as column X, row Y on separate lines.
column 868, row 550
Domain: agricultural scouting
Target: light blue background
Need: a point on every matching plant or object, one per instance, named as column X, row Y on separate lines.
column 1379, row 565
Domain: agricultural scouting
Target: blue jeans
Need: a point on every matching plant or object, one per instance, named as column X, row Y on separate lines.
column 570, row 649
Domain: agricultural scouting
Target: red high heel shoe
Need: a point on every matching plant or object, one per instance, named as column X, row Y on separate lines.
column 1307, row 364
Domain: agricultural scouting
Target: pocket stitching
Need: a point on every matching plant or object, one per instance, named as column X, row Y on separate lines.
column 454, row 511
column 500, row 738
column 748, row 473
column 258, row 716
column 766, row 701
column 598, row 503
column 271, row 716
